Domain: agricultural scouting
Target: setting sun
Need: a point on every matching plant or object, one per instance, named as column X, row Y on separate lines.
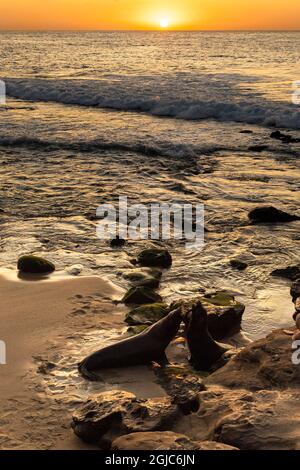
column 164, row 23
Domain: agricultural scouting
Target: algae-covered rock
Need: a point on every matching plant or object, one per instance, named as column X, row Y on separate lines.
column 155, row 257
column 224, row 313
column 137, row 329
column 35, row 265
column 146, row 277
column 147, row 314
column 140, row 296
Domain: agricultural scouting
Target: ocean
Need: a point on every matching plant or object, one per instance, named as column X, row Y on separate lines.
column 157, row 117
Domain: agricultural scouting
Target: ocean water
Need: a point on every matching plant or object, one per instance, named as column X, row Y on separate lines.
column 158, row 117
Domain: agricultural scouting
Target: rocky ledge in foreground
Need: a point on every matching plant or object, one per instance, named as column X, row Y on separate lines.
column 164, row 441
column 253, row 402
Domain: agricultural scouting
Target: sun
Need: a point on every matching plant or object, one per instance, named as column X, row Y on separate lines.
column 164, row 23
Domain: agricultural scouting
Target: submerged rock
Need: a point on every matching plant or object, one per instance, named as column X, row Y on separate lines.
column 117, row 242
column 146, row 277
column 238, row 264
column 156, row 257
column 291, row 272
column 141, row 295
column 147, row 314
column 269, row 214
column 167, row 440
column 35, row 265
column 108, row 415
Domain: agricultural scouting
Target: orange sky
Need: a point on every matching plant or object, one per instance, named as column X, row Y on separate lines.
column 147, row 14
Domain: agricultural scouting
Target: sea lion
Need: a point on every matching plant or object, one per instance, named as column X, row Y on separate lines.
column 204, row 351
column 141, row 349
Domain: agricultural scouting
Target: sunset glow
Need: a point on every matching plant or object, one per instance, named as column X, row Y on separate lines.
column 150, row 14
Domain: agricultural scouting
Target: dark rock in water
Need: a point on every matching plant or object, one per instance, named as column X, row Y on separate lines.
column 162, row 441
column 269, row 214
column 246, row 131
column 35, row 265
column 258, row 148
column 224, row 314
column 295, row 290
column 155, row 257
column 140, row 296
column 291, row 272
column 108, row 415
column 145, row 277
column 117, row 242
column 285, row 138
column 147, row 314
column 238, row 264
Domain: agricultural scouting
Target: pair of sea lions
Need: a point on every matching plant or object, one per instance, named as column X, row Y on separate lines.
column 150, row 345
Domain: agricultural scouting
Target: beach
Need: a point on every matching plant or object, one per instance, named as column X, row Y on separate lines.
column 193, row 118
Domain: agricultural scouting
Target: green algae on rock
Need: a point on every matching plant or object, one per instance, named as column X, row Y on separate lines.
column 147, row 314
column 140, row 296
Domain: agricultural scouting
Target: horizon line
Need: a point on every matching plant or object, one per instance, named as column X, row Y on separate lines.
column 169, row 30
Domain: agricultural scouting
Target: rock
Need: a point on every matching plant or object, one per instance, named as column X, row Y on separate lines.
column 108, row 415
column 246, row 131
column 117, row 242
column 295, row 290
column 261, row 420
column 224, row 314
column 285, row 138
column 155, row 257
column 147, row 277
column 269, row 215
column 291, row 272
column 164, row 441
column 35, row 265
column 182, row 384
column 253, row 401
column 141, row 295
column 238, row 264
column 264, row 364
column 258, row 148
column 75, row 270
column 137, row 329
column 147, row 314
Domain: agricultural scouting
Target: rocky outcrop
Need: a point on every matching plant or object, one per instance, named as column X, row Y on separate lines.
column 108, row 415
column 155, row 257
column 253, row 401
column 164, row 441
column 182, row 384
column 269, row 215
column 30, row 264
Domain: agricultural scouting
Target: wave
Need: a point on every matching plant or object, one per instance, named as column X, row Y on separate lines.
column 166, row 149
column 166, row 99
